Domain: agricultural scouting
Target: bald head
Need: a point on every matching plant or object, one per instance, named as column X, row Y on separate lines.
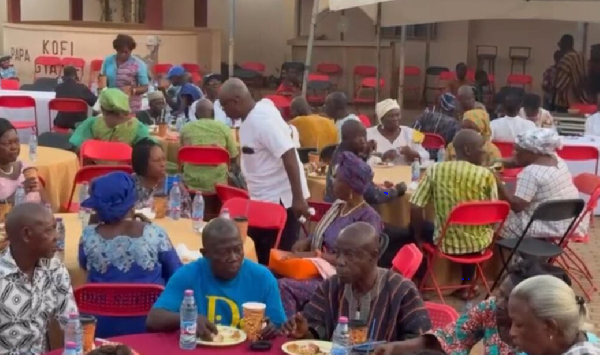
column 357, row 253
column 300, row 107
column 465, row 91
column 336, row 105
column 468, row 145
column 205, row 109
column 31, row 230
column 236, row 99
column 218, row 231
column 352, row 129
column 361, row 235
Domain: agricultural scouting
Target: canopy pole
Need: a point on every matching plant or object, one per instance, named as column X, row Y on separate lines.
column 427, row 61
column 402, row 65
column 231, row 37
column 378, row 55
column 310, row 45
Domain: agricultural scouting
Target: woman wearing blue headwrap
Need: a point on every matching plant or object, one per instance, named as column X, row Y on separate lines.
column 352, row 176
column 121, row 249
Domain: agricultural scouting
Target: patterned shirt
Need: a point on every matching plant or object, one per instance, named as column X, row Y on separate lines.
column 8, row 73
column 397, row 308
column 438, row 123
column 477, row 324
column 448, row 184
column 537, row 184
column 27, row 305
column 583, row 348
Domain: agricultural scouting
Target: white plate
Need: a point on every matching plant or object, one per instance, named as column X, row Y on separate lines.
column 225, row 330
column 325, row 346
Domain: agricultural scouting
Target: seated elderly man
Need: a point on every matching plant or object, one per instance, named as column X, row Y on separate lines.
column 222, row 281
column 34, row 285
column 315, row 131
column 155, row 113
column 363, row 291
column 446, row 185
column 466, row 102
column 206, row 131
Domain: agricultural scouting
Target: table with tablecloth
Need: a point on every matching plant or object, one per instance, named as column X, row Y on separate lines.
column 168, row 343
column 57, row 168
column 180, row 232
column 396, row 212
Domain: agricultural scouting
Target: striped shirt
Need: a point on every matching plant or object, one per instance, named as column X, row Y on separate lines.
column 397, row 308
column 448, row 184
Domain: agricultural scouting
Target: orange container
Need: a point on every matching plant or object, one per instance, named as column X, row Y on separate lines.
column 297, row 269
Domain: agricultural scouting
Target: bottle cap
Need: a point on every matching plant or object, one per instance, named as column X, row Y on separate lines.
column 71, row 345
column 343, row 320
column 189, row 292
column 73, row 315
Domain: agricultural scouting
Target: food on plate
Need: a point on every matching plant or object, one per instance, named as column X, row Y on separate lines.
column 227, row 335
column 305, row 349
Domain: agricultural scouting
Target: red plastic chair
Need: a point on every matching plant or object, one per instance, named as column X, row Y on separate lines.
column 105, row 151
column 441, row 315
column 585, row 109
column 87, row 174
column 227, row 192
column 411, row 71
column 191, row 67
column 21, row 102
column 65, row 105
column 524, row 80
column 587, row 184
column 318, row 87
column 264, row 215
column 116, row 300
column 47, row 61
column 433, row 141
column 407, row 260
column 258, row 67
column 333, row 70
column 506, row 151
column 77, row 63
column 10, row 84
column 474, row 213
column 95, row 68
column 365, row 80
column 447, row 76
column 202, row 156
column 366, row 121
column 160, row 70
column 283, row 104
column 320, row 209
column 579, row 153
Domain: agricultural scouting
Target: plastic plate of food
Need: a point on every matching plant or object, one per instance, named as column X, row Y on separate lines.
column 226, row 336
column 307, row 347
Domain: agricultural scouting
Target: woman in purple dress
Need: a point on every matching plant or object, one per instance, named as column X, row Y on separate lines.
column 351, row 178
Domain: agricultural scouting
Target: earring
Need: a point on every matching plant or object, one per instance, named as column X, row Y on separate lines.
column 551, row 337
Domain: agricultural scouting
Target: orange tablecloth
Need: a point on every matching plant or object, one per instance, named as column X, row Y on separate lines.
column 396, row 212
column 58, row 168
column 179, row 231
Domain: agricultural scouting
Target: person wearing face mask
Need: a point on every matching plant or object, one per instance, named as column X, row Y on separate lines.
column 487, row 322
column 550, row 322
column 394, row 142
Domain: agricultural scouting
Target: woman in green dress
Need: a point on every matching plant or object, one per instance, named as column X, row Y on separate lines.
column 115, row 124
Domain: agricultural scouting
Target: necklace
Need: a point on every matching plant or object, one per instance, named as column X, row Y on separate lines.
column 342, row 214
column 12, row 169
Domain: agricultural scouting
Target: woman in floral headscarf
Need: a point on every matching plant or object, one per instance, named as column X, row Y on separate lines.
column 114, row 125
column 351, row 178
column 545, row 177
column 479, row 121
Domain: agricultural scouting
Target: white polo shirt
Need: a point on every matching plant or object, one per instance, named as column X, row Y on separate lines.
column 506, row 129
column 266, row 133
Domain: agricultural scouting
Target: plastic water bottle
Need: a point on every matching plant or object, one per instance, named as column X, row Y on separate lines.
column 74, row 333
column 94, row 88
column 83, row 195
column 415, row 170
column 175, row 201
column 225, row 214
column 197, row 211
column 70, row 349
column 19, row 195
column 33, row 143
column 341, row 338
column 441, row 155
column 60, row 234
column 188, row 315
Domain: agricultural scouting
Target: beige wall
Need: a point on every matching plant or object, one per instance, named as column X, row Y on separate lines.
column 31, row 41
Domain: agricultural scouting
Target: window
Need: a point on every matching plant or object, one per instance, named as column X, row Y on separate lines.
column 412, row 31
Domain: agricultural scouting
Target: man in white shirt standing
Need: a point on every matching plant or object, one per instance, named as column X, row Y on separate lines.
column 506, row 129
column 336, row 108
column 270, row 164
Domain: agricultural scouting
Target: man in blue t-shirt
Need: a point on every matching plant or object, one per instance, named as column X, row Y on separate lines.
column 222, row 281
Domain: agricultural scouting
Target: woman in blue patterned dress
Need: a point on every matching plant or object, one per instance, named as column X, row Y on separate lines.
column 121, row 249
column 351, row 178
